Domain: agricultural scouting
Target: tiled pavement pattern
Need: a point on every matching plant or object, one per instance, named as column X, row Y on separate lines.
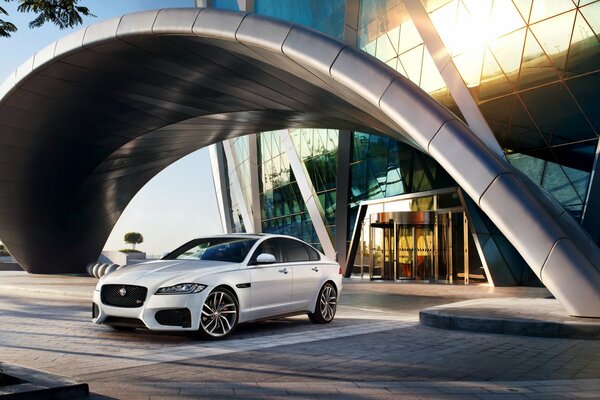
column 374, row 349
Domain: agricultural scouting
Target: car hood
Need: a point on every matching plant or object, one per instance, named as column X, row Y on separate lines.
column 167, row 272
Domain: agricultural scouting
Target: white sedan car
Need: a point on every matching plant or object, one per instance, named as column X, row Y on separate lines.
column 212, row 284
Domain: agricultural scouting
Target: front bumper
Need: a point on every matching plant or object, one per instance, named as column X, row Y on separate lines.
column 147, row 313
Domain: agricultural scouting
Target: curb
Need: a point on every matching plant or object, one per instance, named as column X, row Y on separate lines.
column 442, row 319
column 35, row 384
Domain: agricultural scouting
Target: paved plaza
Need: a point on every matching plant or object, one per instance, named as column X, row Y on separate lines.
column 374, row 349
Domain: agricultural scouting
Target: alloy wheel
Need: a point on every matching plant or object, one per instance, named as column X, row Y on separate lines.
column 328, row 302
column 219, row 314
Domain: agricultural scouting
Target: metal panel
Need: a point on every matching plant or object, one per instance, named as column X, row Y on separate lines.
column 342, row 195
column 517, row 214
column 217, row 164
column 577, row 289
column 303, row 46
column 218, row 24
column 171, row 20
column 67, row 43
column 261, row 31
column 132, row 24
column 432, row 115
column 459, row 153
column 363, row 75
column 101, row 31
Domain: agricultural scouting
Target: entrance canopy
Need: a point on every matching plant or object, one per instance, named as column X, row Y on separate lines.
column 87, row 121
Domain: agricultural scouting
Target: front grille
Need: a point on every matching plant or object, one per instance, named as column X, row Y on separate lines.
column 132, row 296
column 122, row 321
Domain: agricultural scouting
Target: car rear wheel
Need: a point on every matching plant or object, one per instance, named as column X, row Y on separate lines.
column 219, row 315
column 326, row 305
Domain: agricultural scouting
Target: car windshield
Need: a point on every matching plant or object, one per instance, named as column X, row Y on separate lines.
column 213, row 249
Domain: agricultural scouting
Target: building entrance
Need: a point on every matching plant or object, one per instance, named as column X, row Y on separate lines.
column 433, row 246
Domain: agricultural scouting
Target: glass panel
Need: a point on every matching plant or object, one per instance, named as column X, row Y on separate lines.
column 409, row 37
column 524, row 7
column 226, row 5
column 587, row 99
column 411, row 61
column 584, row 53
column 543, row 9
column 324, row 15
column 444, row 20
column 555, row 35
column 498, row 115
column 431, row 80
column 541, row 104
column 557, row 183
column 570, row 124
column 493, row 81
column 530, row 166
column 469, row 65
column 385, row 49
column 505, row 18
column 591, row 14
column 536, row 68
column 507, row 50
column 523, row 132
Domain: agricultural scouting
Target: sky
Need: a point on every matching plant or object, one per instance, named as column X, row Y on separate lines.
column 174, row 206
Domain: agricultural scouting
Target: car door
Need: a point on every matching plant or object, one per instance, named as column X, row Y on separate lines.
column 307, row 273
column 271, row 284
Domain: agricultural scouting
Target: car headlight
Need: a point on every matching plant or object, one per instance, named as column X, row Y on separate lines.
column 182, row 288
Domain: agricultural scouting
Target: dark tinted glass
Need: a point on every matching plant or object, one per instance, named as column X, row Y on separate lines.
column 294, row 251
column 213, row 249
column 270, row 246
column 312, row 253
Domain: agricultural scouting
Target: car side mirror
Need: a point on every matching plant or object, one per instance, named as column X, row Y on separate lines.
column 266, row 258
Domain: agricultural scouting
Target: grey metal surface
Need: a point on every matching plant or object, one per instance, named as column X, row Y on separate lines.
column 85, row 129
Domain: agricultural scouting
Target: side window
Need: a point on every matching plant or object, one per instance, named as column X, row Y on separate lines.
column 312, row 253
column 294, row 251
column 270, row 246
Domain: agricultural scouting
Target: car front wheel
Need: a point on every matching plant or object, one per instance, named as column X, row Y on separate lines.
column 326, row 305
column 219, row 314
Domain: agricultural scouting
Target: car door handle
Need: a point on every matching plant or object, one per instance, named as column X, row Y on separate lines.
column 283, row 270
column 316, row 269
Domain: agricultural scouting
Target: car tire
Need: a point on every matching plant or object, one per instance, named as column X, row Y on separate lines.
column 219, row 315
column 326, row 305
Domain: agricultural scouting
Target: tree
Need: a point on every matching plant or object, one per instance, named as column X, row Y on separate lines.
column 133, row 238
column 63, row 13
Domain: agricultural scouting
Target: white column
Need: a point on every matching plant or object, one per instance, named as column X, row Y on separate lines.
column 254, row 181
column 308, row 194
column 219, row 173
column 457, row 87
column 237, row 188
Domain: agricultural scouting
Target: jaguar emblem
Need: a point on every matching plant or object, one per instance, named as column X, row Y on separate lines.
column 122, row 292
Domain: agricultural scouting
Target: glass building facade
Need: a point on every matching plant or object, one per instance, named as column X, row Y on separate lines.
column 531, row 67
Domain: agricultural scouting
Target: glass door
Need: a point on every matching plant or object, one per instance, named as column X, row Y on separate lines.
column 406, row 252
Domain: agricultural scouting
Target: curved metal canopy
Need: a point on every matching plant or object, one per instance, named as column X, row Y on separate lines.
column 87, row 121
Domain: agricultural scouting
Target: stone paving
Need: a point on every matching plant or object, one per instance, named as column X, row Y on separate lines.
column 374, row 349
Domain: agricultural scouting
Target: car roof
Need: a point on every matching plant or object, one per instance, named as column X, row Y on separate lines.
column 248, row 236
